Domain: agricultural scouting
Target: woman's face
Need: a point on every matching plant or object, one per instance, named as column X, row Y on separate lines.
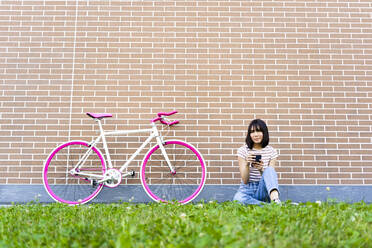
column 256, row 136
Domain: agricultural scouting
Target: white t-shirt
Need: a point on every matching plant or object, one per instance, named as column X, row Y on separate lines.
column 268, row 153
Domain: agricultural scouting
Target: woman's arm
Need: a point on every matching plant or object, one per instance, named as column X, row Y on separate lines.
column 273, row 158
column 244, row 170
column 272, row 163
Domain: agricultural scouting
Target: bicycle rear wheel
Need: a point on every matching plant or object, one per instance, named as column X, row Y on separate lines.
column 184, row 185
column 66, row 187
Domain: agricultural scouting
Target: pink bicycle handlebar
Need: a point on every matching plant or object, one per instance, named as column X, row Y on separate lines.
column 167, row 114
column 160, row 118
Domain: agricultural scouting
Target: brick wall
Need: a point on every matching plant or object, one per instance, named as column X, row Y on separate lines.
column 305, row 67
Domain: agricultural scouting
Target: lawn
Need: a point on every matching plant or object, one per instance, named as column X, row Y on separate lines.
column 195, row 225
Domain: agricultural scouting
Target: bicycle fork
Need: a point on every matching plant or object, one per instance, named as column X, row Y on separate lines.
column 161, row 144
column 162, row 149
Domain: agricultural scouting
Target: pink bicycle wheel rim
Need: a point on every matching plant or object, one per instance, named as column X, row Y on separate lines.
column 50, row 191
column 201, row 185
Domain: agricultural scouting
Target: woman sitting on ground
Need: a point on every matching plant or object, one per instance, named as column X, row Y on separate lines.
column 259, row 179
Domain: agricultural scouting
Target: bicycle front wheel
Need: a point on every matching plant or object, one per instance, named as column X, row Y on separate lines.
column 73, row 188
column 182, row 186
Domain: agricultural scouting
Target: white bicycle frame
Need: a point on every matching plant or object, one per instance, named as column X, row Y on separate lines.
column 154, row 133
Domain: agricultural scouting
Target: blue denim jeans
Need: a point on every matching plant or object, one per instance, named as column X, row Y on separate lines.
column 258, row 193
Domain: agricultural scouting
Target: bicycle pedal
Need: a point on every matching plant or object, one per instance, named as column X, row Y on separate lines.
column 94, row 183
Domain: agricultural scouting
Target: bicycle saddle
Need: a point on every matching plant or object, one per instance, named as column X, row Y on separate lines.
column 98, row 116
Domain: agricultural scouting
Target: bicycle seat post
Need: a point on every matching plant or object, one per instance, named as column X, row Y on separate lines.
column 99, row 125
column 108, row 157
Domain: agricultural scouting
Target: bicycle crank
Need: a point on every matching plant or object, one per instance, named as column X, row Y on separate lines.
column 129, row 174
column 112, row 178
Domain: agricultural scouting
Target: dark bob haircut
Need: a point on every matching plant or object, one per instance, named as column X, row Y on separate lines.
column 257, row 125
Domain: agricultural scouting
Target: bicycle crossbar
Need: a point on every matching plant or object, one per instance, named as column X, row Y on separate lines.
column 128, row 132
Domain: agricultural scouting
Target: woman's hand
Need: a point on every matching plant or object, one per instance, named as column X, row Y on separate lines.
column 258, row 166
column 250, row 158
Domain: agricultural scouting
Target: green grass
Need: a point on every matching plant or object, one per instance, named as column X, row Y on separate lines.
column 195, row 225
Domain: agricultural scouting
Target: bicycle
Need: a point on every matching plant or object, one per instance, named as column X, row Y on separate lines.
column 172, row 170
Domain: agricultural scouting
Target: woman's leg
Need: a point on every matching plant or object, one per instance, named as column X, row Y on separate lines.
column 268, row 188
column 245, row 194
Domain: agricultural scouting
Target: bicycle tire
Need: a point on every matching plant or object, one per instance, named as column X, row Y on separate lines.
column 183, row 186
column 72, row 189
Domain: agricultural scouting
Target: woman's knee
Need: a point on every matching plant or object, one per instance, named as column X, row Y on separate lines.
column 269, row 170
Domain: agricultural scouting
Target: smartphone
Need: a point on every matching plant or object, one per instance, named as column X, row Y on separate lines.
column 258, row 157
